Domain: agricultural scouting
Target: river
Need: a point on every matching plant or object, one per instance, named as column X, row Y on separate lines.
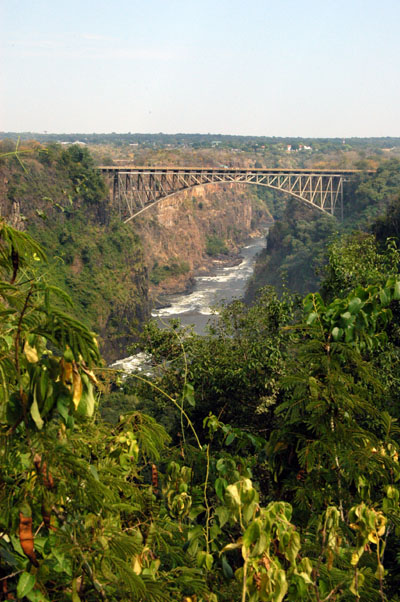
column 224, row 284
column 195, row 308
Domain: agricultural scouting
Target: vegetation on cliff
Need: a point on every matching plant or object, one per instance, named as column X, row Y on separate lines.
column 58, row 196
column 297, row 242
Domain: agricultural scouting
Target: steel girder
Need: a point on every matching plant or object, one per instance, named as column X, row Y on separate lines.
column 135, row 189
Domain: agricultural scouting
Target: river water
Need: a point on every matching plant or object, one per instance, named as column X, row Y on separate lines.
column 195, row 308
column 224, row 284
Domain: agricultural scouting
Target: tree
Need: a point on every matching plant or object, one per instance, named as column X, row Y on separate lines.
column 78, row 518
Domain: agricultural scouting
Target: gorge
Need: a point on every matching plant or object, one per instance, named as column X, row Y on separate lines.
column 238, row 447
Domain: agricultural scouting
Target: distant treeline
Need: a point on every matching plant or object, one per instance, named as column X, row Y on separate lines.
column 208, row 140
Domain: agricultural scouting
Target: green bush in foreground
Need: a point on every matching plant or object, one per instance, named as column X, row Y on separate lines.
column 94, row 512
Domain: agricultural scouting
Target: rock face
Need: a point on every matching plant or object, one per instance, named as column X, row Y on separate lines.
column 182, row 228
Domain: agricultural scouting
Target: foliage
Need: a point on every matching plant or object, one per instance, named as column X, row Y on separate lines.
column 333, row 445
column 388, row 225
column 234, row 369
column 356, row 259
column 295, row 251
column 278, row 480
column 79, row 164
column 297, row 244
column 78, row 514
column 215, row 246
column 63, row 204
column 170, row 270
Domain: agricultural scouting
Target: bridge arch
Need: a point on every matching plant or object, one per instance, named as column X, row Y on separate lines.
column 139, row 188
column 152, row 204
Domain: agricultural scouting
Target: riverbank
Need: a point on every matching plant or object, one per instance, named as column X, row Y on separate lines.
column 208, row 270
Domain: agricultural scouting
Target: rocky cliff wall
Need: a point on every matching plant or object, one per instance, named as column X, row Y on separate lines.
column 179, row 230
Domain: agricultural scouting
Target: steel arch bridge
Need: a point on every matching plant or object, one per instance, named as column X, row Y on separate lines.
column 136, row 189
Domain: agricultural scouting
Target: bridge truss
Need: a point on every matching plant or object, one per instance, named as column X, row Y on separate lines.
column 135, row 189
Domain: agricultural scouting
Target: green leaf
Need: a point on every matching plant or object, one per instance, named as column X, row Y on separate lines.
column 252, row 533
column 349, row 334
column 36, row 414
column 43, row 384
column 36, row 595
column 346, row 317
column 293, row 548
column 26, row 583
column 396, row 291
column 94, row 472
column 355, row 305
column 188, row 394
column 220, row 487
column 233, row 492
column 384, row 296
column 311, row 318
column 336, row 333
column 223, row 515
column 281, row 586
column 261, row 545
column 226, row 568
column 230, row 438
column 221, row 465
column 63, row 403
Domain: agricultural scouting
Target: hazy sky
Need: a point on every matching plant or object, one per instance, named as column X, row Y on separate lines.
column 260, row 67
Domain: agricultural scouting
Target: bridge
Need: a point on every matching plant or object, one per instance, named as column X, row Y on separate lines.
column 136, row 189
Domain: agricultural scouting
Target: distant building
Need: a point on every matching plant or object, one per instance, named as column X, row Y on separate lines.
column 65, row 143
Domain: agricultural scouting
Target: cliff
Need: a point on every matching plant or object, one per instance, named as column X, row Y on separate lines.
column 184, row 234
column 60, row 198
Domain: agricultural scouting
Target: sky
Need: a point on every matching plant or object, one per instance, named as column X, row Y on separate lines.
column 309, row 68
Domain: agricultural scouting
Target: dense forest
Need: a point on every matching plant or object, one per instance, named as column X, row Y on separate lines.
column 259, row 462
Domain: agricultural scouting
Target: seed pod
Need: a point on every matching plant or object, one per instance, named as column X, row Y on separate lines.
column 48, row 480
column 41, row 468
column 26, row 535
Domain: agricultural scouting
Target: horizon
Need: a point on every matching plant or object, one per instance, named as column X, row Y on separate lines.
column 177, row 134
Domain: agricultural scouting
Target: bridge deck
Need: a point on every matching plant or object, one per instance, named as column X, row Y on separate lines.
column 226, row 170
